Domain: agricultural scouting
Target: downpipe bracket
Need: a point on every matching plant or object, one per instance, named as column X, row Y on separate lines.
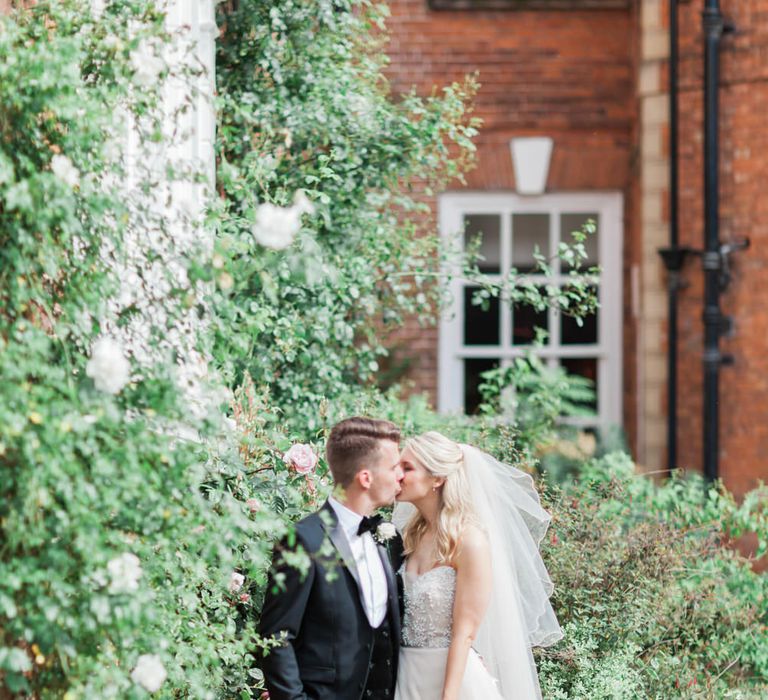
column 711, row 260
column 723, row 323
column 714, row 359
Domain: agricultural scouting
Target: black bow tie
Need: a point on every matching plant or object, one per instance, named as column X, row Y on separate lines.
column 369, row 524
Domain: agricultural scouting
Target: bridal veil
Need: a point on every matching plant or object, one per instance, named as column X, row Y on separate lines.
column 519, row 614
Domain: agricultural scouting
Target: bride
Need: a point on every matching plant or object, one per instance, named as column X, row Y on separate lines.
column 476, row 591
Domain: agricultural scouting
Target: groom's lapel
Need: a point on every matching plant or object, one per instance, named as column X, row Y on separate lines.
column 392, row 598
column 340, row 541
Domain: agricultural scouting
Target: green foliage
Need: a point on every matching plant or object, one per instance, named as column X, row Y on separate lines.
column 124, row 515
column 536, row 397
column 304, row 106
column 89, row 480
column 653, row 601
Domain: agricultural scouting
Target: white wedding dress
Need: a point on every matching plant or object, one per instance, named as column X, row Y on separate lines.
column 426, row 637
column 519, row 617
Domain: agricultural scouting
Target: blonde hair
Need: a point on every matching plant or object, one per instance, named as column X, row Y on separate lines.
column 442, row 458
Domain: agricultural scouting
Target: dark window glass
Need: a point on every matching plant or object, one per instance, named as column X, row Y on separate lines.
column 525, row 320
column 573, row 334
column 583, row 367
column 488, row 228
column 472, row 380
column 481, row 327
column 575, row 222
column 530, row 234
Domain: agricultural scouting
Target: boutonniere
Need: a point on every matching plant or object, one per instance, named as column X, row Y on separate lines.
column 385, row 531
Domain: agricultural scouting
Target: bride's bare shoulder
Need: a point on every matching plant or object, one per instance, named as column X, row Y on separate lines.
column 473, row 543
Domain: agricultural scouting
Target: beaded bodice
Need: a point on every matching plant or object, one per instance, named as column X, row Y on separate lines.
column 428, row 600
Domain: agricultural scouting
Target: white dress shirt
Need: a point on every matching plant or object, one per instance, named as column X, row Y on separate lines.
column 373, row 580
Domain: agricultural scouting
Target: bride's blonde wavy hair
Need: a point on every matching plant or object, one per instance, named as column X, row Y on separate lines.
column 442, row 458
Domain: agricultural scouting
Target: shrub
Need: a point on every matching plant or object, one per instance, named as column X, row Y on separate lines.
column 653, row 601
column 115, row 563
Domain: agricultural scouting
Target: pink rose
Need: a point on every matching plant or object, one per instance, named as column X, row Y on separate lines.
column 301, row 457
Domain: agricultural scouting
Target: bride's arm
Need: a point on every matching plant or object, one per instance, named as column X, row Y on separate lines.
column 473, row 592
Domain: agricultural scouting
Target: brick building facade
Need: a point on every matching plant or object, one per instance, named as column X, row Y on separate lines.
column 595, row 80
column 592, row 75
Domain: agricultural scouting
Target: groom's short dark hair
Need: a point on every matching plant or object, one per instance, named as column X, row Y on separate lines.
column 352, row 442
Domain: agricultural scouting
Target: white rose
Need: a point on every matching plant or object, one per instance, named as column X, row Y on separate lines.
column 362, row 106
column 386, row 531
column 124, row 573
column 301, row 457
column 302, row 204
column 147, row 63
column 113, row 42
column 236, row 582
column 149, row 672
column 108, row 367
column 276, row 227
column 62, row 168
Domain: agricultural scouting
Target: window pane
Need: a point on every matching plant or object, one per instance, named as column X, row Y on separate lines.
column 525, row 320
column 573, row 334
column 583, row 367
column 488, row 227
column 530, row 232
column 575, row 222
column 480, row 327
column 472, row 380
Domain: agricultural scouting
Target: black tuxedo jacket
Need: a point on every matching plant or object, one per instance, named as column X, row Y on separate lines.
column 328, row 639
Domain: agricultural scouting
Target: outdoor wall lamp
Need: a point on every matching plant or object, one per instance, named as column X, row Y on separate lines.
column 530, row 161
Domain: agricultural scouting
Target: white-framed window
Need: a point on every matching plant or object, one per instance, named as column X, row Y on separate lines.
column 473, row 340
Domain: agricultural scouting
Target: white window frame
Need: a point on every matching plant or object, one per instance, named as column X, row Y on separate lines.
column 452, row 207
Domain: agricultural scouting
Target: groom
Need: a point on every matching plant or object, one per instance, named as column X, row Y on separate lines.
column 339, row 623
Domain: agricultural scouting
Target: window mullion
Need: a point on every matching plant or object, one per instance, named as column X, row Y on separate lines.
column 554, row 243
column 506, row 264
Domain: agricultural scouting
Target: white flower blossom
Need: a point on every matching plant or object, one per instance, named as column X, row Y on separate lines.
column 236, row 581
column 62, row 168
column 108, row 367
column 124, row 573
column 149, row 672
column 276, row 227
column 113, row 42
column 363, row 107
column 385, row 531
column 302, row 204
column 147, row 62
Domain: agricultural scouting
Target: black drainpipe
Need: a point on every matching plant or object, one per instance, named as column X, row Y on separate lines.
column 716, row 255
column 712, row 19
column 713, row 24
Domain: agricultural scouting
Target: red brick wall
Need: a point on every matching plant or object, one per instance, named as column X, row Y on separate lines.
column 570, row 75
column 566, row 74
column 744, row 212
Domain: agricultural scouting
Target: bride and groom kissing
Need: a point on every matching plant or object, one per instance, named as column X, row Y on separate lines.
column 447, row 609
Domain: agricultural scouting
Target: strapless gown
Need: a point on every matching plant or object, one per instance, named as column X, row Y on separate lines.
column 426, row 637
